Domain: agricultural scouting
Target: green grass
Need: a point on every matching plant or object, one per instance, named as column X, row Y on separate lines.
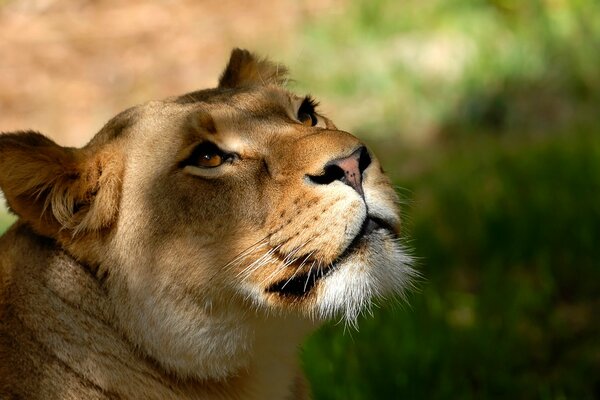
column 5, row 220
column 507, row 234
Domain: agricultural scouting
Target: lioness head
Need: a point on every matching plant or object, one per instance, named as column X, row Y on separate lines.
column 205, row 215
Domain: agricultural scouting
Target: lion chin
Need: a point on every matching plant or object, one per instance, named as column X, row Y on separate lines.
column 187, row 250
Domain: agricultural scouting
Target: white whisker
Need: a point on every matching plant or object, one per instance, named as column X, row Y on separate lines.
column 258, row 263
column 285, row 263
column 308, row 277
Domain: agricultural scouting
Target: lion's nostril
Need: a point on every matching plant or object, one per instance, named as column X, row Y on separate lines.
column 332, row 173
column 364, row 159
column 347, row 170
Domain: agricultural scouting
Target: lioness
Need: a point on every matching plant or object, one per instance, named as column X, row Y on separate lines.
column 190, row 246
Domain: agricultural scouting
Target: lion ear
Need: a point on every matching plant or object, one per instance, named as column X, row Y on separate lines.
column 59, row 190
column 246, row 69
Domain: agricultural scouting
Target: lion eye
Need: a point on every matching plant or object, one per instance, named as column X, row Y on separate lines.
column 306, row 112
column 210, row 160
column 307, row 119
column 206, row 155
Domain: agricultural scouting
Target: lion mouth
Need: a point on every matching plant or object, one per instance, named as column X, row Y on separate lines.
column 301, row 285
column 298, row 286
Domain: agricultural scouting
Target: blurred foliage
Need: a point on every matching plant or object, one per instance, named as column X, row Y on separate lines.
column 486, row 113
column 418, row 70
column 5, row 218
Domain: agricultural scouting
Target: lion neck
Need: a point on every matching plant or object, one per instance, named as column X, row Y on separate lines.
column 211, row 341
column 104, row 335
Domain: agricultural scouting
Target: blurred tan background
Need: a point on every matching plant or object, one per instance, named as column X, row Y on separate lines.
column 67, row 66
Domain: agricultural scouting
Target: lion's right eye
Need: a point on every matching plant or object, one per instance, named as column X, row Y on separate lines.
column 306, row 112
column 207, row 155
column 210, row 160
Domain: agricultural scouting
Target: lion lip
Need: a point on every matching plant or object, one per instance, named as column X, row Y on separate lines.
column 297, row 286
column 300, row 285
column 373, row 223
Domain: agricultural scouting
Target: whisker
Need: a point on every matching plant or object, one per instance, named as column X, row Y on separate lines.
column 261, row 261
column 308, row 277
column 245, row 253
column 294, row 274
column 240, row 257
column 285, row 264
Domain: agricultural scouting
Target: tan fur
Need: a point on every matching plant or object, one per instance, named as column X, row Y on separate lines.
column 133, row 272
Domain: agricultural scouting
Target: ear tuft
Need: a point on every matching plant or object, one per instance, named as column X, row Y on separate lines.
column 100, row 190
column 247, row 69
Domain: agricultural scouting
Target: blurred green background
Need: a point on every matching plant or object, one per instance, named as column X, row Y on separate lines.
column 486, row 114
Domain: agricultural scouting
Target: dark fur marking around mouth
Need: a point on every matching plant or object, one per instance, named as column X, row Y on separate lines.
column 297, row 287
column 301, row 285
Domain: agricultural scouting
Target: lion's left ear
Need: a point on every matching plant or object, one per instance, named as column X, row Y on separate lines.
column 59, row 190
column 246, row 69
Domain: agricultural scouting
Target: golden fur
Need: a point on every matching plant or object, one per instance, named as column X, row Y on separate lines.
column 188, row 249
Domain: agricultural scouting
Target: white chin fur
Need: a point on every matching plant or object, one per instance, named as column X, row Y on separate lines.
column 377, row 269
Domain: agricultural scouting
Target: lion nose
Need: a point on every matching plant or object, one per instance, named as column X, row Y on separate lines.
column 347, row 169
